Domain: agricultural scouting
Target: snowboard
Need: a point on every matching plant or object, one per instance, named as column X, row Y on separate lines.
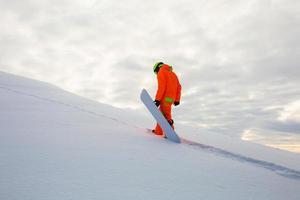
column 160, row 119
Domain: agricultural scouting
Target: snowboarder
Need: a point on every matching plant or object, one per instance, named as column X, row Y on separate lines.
column 168, row 92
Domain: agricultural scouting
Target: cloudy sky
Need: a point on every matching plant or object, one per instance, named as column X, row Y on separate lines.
column 238, row 61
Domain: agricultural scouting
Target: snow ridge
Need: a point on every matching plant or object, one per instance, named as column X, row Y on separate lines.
column 280, row 170
column 64, row 104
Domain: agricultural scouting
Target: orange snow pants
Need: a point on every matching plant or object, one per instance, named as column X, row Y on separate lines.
column 165, row 108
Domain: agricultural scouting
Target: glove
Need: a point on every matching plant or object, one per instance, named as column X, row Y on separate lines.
column 156, row 102
column 176, row 103
column 171, row 121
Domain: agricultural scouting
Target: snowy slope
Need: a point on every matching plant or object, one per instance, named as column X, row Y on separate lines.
column 56, row 145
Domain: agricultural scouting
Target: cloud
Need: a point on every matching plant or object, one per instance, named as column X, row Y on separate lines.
column 235, row 59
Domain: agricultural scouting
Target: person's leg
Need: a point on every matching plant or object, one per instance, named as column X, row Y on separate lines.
column 158, row 130
column 168, row 113
column 165, row 108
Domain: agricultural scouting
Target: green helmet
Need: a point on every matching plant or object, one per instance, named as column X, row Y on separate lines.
column 157, row 66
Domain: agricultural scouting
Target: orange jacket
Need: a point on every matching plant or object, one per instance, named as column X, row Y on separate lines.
column 169, row 88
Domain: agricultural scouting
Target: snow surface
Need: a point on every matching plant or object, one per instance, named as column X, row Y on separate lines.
column 56, row 145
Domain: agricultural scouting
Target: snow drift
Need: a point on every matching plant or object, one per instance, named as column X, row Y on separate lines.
column 56, row 145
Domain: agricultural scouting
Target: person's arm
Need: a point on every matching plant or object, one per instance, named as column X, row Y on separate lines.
column 161, row 86
column 178, row 94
